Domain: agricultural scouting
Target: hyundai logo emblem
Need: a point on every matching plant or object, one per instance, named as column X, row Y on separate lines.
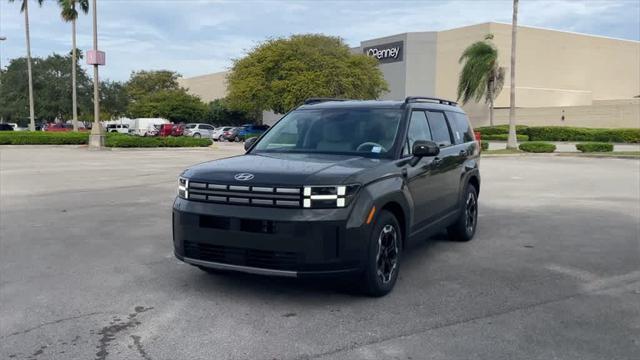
column 243, row 176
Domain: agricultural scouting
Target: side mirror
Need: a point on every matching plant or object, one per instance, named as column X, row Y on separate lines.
column 423, row 148
column 249, row 143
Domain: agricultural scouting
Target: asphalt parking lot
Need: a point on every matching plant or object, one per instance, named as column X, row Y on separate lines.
column 87, row 271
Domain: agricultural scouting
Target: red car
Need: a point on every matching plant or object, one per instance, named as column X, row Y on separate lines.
column 63, row 127
column 171, row 130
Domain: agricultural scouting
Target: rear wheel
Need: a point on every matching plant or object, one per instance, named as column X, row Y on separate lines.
column 465, row 227
column 385, row 250
column 196, row 135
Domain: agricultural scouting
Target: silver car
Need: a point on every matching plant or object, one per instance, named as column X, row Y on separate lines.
column 199, row 130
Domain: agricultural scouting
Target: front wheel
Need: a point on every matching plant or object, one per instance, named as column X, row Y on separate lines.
column 385, row 250
column 221, row 138
column 465, row 227
column 237, row 139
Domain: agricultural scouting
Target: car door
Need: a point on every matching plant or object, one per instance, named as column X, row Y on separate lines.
column 446, row 170
column 419, row 177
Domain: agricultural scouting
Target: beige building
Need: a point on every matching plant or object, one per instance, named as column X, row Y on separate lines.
column 561, row 78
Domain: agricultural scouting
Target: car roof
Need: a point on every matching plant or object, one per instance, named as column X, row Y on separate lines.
column 378, row 104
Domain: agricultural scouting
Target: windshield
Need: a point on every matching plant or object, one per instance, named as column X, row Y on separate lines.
column 369, row 132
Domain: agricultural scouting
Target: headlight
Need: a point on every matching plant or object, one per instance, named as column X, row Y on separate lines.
column 325, row 197
column 183, row 187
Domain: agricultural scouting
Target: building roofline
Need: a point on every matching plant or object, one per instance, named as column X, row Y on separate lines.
column 489, row 23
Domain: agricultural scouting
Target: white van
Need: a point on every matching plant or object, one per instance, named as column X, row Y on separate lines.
column 146, row 126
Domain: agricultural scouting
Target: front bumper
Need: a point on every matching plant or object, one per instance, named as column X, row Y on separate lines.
column 269, row 241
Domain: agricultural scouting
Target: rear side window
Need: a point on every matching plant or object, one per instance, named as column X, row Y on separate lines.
column 418, row 130
column 462, row 131
column 439, row 128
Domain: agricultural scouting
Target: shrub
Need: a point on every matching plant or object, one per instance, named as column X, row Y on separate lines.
column 43, row 138
column 81, row 138
column 499, row 129
column 484, row 145
column 129, row 141
column 537, row 147
column 504, row 137
column 595, row 147
column 564, row 133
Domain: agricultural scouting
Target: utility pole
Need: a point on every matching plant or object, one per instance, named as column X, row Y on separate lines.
column 2, row 38
column 512, row 140
column 96, row 58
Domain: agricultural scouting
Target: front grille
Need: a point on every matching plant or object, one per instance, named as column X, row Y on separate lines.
column 277, row 260
column 246, row 195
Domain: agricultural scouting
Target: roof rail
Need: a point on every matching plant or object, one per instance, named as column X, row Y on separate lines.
column 321, row 99
column 410, row 99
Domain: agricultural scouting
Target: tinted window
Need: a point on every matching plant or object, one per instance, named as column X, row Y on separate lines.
column 191, row 126
column 418, row 130
column 439, row 128
column 462, row 131
column 207, row 127
column 343, row 131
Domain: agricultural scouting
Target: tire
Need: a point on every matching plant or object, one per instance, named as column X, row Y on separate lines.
column 197, row 135
column 465, row 227
column 221, row 138
column 236, row 139
column 379, row 276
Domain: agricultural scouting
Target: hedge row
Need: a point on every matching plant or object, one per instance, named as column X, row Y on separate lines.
column 81, row 138
column 504, row 137
column 566, row 133
column 484, row 145
column 129, row 141
column 43, row 138
column 537, row 147
column 595, row 147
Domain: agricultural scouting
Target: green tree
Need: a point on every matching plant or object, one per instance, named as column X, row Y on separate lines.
column 281, row 73
column 219, row 113
column 50, row 78
column 70, row 14
column 114, row 99
column 481, row 75
column 143, row 83
column 173, row 105
column 24, row 8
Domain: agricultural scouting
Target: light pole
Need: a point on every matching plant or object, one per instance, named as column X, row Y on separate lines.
column 2, row 38
column 96, row 58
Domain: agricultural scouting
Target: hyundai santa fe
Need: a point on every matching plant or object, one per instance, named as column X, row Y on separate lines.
column 335, row 188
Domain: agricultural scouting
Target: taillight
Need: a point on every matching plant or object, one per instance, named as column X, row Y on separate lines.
column 478, row 135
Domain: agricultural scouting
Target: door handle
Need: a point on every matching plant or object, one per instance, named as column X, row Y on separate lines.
column 463, row 152
column 436, row 161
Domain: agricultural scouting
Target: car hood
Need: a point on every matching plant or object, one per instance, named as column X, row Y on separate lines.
column 284, row 169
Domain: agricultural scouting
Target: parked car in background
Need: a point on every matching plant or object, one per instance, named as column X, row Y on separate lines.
column 5, row 127
column 250, row 130
column 232, row 135
column 55, row 127
column 146, row 126
column 118, row 128
column 218, row 133
column 178, row 130
column 199, row 130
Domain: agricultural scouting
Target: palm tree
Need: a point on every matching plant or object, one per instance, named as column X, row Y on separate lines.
column 481, row 75
column 25, row 9
column 70, row 14
column 512, row 141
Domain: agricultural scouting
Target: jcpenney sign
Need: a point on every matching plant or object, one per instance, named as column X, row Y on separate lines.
column 386, row 53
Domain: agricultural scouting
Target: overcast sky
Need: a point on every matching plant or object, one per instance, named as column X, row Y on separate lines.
column 196, row 37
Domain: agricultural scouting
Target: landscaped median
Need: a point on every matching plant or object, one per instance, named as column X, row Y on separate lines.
column 82, row 138
column 561, row 133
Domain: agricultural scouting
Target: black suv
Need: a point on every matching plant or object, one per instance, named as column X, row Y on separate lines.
column 334, row 188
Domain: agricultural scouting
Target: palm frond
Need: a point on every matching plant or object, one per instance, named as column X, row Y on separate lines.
column 479, row 62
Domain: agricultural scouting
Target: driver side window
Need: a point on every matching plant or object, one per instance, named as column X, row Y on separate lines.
column 418, row 130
